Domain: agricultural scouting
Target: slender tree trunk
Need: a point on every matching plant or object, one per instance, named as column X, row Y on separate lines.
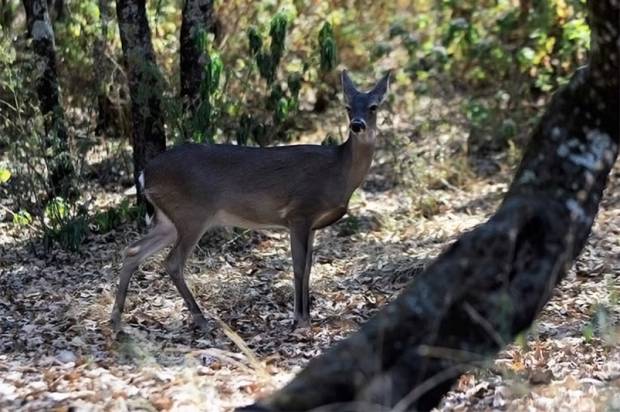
column 198, row 20
column 7, row 14
column 491, row 283
column 56, row 9
column 40, row 30
column 145, row 88
column 102, row 68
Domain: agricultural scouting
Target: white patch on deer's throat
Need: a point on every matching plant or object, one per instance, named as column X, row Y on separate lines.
column 367, row 137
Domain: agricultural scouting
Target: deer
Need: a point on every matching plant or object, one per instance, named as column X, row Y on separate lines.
column 301, row 188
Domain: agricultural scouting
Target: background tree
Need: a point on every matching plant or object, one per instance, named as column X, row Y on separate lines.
column 56, row 9
column 7, row 14
column 40, row 30
column 490, row 284
column 198, row 20
column 102, row 61
column 145, row 84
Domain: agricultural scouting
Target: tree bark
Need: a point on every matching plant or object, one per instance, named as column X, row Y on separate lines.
column 7, row 14
column 56, row 9
column 198, row 17
column 145, row 88
column 60, row 167
column 492, row 282
column 102, row 65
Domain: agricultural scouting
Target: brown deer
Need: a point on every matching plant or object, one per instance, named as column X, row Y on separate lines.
column 301, row 188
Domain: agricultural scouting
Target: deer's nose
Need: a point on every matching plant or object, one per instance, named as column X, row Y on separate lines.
column 357, row 125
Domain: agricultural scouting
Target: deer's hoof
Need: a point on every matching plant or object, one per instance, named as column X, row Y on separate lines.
column 301, row 323
column 203, row 324
column 115, row 322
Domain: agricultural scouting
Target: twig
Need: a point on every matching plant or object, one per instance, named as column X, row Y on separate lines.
column 479, row 319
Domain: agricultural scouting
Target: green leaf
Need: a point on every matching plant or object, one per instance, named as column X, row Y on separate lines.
column 5, row 175
column 526, row 56
column 57, row 211
column 327, row 47
column 215, row 68
column 282, row 110
column 277, row 32
column 22, row 218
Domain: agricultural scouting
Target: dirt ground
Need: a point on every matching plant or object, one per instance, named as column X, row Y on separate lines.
column 57, row 351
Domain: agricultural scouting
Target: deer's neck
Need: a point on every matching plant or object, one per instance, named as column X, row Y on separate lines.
column 357, row 152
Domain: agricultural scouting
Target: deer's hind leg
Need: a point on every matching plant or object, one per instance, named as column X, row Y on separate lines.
column 188, row 237
column 160, row 236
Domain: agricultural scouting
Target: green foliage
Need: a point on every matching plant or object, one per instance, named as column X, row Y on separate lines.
column 22, row 218
column 70, row 234
column 64, row 223
column 349, row 226
column 330, row 141
column 252, row 94
column 200, row 126
column 327, row 46
column 110, row 219
column 33, row 155
column 521, row 49
column 277, row 33
column 5, row 175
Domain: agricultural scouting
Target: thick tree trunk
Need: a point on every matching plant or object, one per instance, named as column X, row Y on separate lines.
column 198, row 18
column 40, row 30
column 490, row 284
column 145, row 89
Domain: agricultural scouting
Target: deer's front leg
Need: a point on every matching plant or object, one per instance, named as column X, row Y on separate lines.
column 302, row 237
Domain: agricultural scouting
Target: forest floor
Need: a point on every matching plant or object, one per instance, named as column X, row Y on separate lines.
column 58, row 352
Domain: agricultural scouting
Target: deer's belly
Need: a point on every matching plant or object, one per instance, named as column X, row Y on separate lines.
column 329, row 217
column 227, row 219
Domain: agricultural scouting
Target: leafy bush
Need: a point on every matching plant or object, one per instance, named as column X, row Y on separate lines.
column 257, row 102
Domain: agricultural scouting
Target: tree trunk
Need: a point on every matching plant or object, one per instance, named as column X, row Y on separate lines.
column 491, row 283
column 56, row 9
column 198, row 19
column 102, row 66
column 145, row 88
column 40, row 30
column 7, row 14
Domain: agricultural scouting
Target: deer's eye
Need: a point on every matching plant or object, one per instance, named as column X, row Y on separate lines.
column 372, row 108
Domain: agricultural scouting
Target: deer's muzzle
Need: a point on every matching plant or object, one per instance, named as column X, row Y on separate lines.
column 357, row 125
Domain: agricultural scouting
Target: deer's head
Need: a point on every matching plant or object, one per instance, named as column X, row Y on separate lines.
column 362, row 106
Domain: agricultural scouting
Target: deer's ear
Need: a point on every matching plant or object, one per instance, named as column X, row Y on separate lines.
column 381, row 88
column 348, row 87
